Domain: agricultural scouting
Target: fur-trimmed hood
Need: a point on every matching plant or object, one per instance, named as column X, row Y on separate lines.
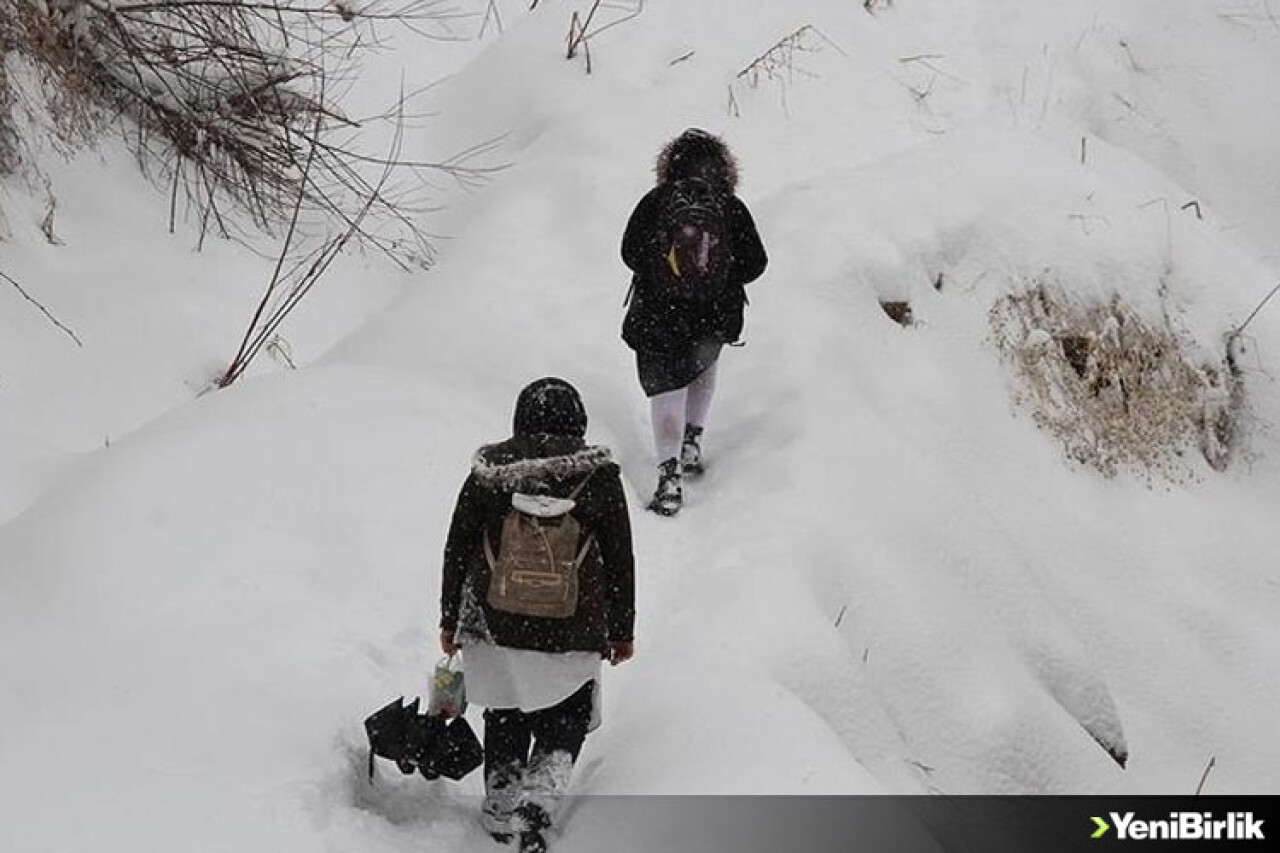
column 697, row 153
column 533, row 464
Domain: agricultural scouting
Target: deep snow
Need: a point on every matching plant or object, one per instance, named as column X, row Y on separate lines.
column 204, row 595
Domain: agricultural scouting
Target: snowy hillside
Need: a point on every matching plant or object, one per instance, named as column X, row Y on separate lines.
column 890, row 579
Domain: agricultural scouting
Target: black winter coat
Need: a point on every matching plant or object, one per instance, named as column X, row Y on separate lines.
column 659, row 321
column 553, row 465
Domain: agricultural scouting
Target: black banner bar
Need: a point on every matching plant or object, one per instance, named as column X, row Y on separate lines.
column 832, row 824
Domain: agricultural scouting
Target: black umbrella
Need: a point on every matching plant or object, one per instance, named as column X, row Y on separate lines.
column 421, row 742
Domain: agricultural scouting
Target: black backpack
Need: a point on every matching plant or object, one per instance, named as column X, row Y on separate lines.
column 692, row 240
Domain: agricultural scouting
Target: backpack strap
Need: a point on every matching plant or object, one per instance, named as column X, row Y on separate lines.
column 591, row 537
column 488, row 552
column 578, row 488
column 586, row 548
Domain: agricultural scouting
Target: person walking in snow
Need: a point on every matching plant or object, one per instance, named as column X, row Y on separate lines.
column 691, row 245
column 538, row 588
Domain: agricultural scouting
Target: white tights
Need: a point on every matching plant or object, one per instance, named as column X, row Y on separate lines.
column 673, row 409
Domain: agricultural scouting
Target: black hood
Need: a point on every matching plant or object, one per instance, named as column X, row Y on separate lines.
column 697, row 154
column 550, row 406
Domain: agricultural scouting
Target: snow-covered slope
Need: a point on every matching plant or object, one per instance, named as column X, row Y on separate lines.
column 889, row 580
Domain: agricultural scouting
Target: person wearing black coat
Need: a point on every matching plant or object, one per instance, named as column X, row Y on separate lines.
column 537, row 676
column 677, row 340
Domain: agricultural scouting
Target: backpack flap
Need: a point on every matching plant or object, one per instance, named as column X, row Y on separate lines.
column 542, row 506
column 535, row 570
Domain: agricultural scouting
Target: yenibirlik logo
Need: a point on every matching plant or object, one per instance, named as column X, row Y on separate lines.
column 1183, row 826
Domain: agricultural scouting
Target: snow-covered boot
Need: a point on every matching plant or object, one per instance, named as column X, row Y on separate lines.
column 546, row 781
column 534, row 823
column 502, row 795
column 496, row 823
column 691, row 451
column 668, row 497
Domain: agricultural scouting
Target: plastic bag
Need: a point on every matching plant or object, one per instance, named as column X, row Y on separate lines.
column 447, row 696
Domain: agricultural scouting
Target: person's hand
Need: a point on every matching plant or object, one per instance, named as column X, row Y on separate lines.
column 447, row 644
column 621, row 651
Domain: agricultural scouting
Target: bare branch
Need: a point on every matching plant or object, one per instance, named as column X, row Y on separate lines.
column 220, row 99
column 302, row 277
column 237, row 363
column 1235, row 333
column 45, row 311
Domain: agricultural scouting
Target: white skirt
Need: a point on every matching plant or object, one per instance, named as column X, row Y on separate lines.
column 499, row 677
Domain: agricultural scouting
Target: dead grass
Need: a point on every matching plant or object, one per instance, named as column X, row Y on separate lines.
column 1119, row 393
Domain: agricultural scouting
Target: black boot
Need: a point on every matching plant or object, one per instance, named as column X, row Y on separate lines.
column 668, row 497
column 691, row 451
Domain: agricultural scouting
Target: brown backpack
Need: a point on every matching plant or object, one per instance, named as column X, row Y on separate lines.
column 536, row 570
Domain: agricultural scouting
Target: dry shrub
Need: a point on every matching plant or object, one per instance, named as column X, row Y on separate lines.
column 225, row 101
column 40, row 87
column 1119, row 393
column 9, row 40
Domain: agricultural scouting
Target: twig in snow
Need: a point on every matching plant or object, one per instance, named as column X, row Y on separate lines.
column 627, row 17
column 1168, row 224
column 781, row 56
column 926, row 59
column 41, row 308
column 778, row 63
column 1233, row 337
column 46, row 224
column 1235, row 332
column 840, row 616
column 1093, row 26
column 578, row 31
column 491, row 12
column 1205, row 775
column 280, row 349
column 1133, row 62
column 680, row 59
column 1195, row 204
column 921, row 94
